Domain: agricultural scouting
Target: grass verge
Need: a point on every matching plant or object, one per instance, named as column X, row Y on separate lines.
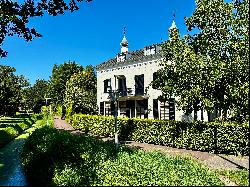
column 239, row 177
column 56, row 157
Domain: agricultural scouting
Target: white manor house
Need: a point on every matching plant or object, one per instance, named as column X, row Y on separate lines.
column 131, row 73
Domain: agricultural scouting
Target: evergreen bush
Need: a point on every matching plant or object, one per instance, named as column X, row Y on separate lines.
column 227, row 138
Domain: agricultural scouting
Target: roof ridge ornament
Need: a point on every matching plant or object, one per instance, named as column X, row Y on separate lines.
column 124, row 42
column 173, row 26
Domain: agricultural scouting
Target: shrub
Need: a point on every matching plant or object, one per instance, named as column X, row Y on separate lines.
column 7, row 134
column 49, row 150
column 59, row 110
column 56, row 157
column 12, row 127
column 229, row 138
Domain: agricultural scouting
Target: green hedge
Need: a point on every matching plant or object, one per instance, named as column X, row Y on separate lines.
column 53, row 157
column 12, row 127
column 228, row 138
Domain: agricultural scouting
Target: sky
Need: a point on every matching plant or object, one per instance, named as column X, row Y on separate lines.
column 93, row 34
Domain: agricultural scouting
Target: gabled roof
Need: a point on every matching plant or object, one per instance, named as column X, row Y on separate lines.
column 134, row 56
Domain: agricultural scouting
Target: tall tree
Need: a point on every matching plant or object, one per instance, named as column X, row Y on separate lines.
column 210, row 69
column 224, row 38
column 80, row 94
column 34, row 97
column 15, row 16
column 60, row 75
column 10, row 90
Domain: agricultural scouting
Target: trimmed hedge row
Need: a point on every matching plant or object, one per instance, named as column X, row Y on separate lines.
column 214, row 137
column 12, row 127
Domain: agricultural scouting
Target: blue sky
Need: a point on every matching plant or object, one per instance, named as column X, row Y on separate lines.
column 93, row 34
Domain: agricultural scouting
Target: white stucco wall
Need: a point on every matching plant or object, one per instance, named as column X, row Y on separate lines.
column 147, row 68
column 129, row 71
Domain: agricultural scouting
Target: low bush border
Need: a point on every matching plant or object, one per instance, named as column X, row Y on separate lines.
column 226, row 138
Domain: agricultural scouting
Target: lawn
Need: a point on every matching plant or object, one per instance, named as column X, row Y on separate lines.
column 56, row 157
column 239, row 177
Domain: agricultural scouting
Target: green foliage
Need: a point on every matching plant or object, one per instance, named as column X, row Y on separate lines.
column 59, row 109
column 47, row 116
column 10, row 90
column 34, row 97
column 7, row 134
column 56, row 157
column 60, row 75
column 229, row 138
column 81, row 91
column 240, row 177
column 154, row 169
column 12, row 127
column 96, row 125
column 209, row 69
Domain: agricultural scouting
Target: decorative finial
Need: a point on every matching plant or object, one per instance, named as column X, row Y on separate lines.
column 173, row 26
column 174, row 14
column 124, row 31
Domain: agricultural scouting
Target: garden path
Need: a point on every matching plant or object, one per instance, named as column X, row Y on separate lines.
column 213, row 161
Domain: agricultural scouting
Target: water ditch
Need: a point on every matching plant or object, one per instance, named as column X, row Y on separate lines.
column 11, row 170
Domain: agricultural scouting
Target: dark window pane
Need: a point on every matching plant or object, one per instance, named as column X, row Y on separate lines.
column 122, row 87
column 154, row 76
column 155, row 109
column 139, row 84
column 107, row 85
column 102, row 108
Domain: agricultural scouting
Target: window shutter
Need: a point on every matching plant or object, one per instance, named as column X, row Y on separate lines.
column 154, row 76
column 139, row 84
column 105, row 85
column 155, row 109
column 102, row 108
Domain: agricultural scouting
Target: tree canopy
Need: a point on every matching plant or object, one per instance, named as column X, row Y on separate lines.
column 60, row 75
column 10, row 90
column 209, row 69
column 81, row 90
column 34, row 97
column 15, row 16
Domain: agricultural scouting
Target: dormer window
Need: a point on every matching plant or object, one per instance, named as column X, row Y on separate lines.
column 149, row 50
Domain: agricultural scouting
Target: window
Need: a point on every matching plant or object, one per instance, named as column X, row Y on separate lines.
column 155, row 109
column 123, row 108
column 167, row 110
column 139, row 84
column 109, row 108
column 155, row 76
column 107, row 85
column 141, row 108
column 102, row 108
column 130, row 104
column 122, row 87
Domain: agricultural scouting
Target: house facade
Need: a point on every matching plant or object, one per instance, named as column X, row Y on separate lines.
column 131, row 73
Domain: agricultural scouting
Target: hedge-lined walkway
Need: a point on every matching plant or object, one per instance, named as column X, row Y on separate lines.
column 213, row 161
